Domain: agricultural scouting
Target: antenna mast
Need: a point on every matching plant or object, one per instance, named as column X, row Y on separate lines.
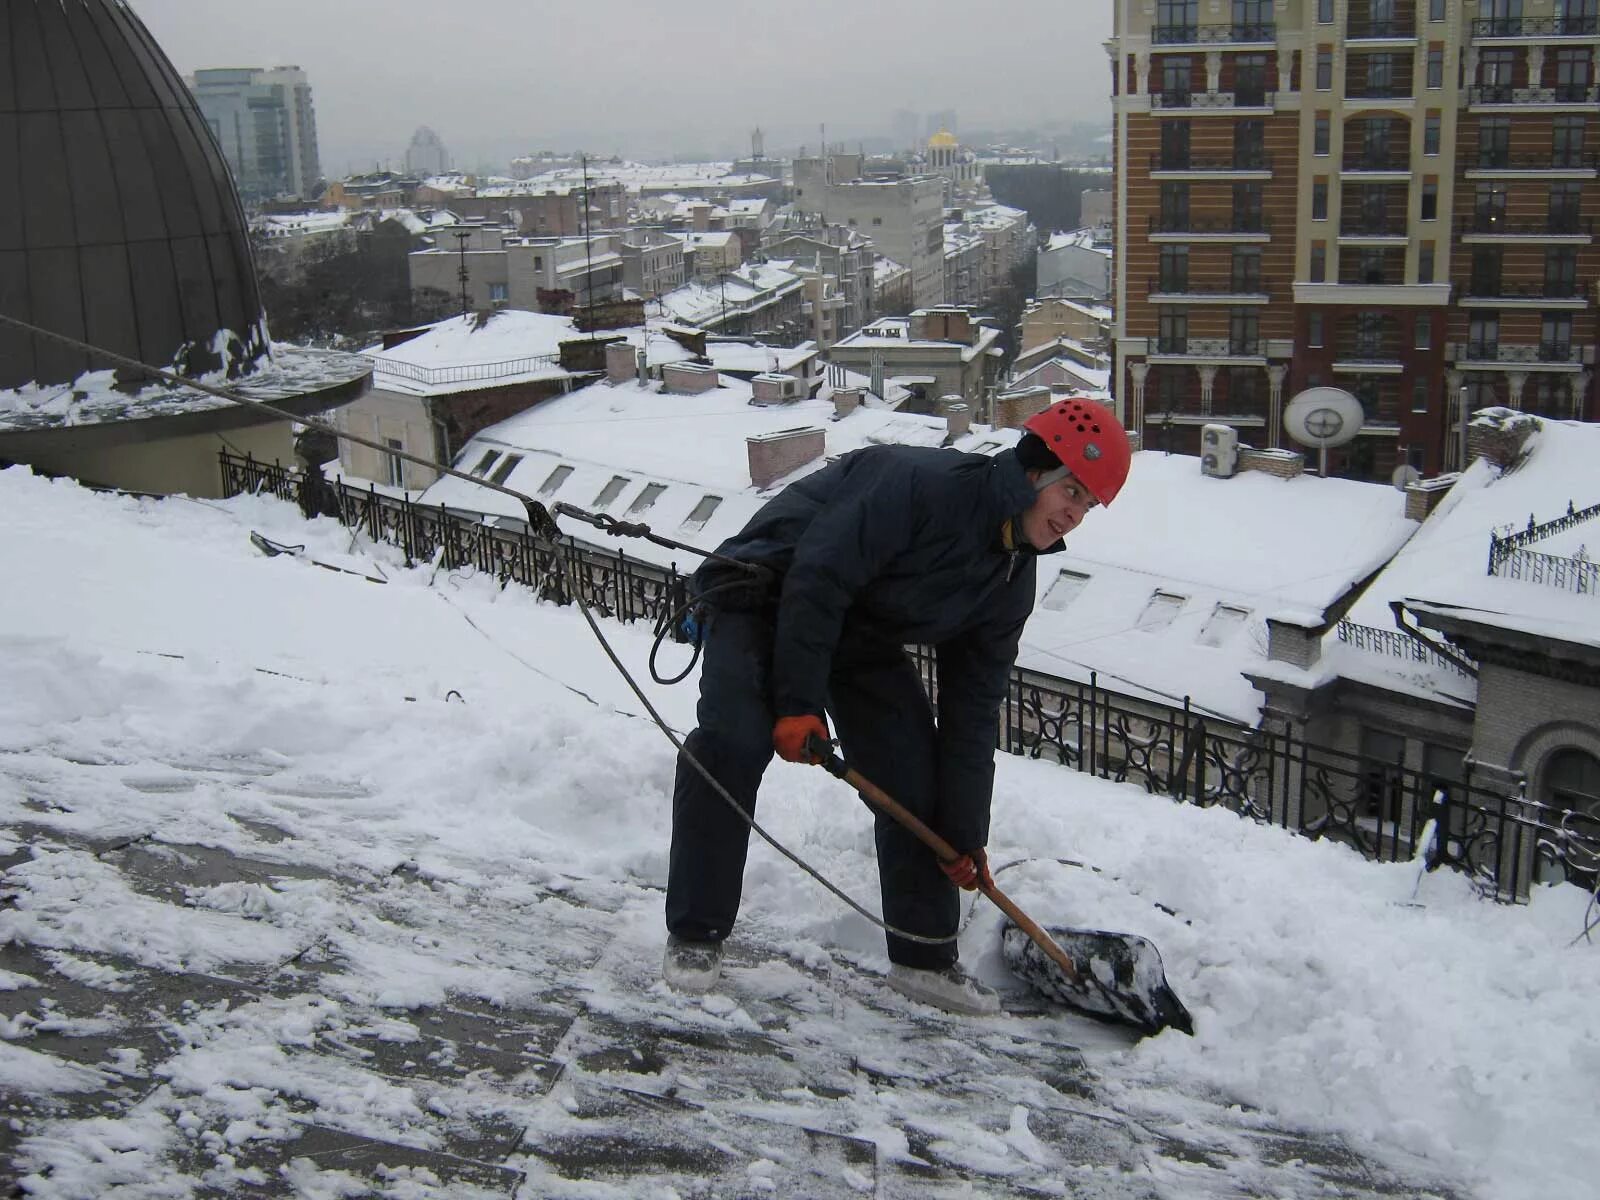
column 588, row 250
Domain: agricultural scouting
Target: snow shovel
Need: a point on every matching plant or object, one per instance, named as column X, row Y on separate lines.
column 1115, row 977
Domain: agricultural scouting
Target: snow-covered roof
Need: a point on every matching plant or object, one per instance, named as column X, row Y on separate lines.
column 895, row 333
column 1446, row 564
column 1079, row 239
column 302, row 224
column 525, row 344
column 1095, row 379
column 1167, row 591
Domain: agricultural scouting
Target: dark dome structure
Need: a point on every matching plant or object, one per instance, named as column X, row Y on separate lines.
column 119, row 221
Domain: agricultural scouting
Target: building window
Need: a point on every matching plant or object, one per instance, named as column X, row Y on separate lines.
column 1174, row 206
column 1246, row 276
column 1244, row 331
column 1319, row 134
column 503, row 471
column 1244, row 391
column 1555, row 337
column 1250, row 144
column 1572, row 781
column 1572, row 74
column 1370, row 262
column 1566, row 201
column 554, row 481
column 1483, row 335
column 1430, row 201
column 1324, row 70
column 1423, row 339
column 1174, row 269
column 646, row 498
column 1248, row 211
column 1314, row 330
column 702, row 513
column 1561, row 271
column 611, row 491
column 538, row 262
column 497, row 293
column 1435, row 66
column 1489, row 206
column 1172, row 334
column 1419, row 395
column 1435, row 10
column 1324, row 12
column 396, row 464
column 1176, row 80
column 1566, row 145
column 1250, row 79
column 1319, row 262
column 877, row 220
column 1430, row 133
column 1319, row 200
column 1175, row 144
column 485, row 462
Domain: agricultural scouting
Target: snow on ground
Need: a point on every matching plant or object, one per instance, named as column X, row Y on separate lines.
column 443, row 718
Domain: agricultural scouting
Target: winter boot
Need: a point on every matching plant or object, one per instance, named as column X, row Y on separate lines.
column 951, row 989
column 691, row 967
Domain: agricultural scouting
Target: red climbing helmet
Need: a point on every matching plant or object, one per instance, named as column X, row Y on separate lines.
column 1090, row 442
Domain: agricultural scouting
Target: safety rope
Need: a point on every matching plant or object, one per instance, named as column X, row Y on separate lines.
column 544, row 524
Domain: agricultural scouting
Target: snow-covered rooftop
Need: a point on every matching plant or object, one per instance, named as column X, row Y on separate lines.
column 1167, row 591
column 525, row 344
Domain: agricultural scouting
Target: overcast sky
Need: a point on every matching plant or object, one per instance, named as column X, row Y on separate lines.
column 645, row 78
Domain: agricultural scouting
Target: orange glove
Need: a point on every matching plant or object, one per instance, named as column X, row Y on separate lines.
column 790, row 734
column 969, row 871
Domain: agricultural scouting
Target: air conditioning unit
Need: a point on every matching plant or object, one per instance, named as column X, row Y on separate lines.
column 1219, row 451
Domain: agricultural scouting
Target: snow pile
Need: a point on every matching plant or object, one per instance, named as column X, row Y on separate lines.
column 1346, row 996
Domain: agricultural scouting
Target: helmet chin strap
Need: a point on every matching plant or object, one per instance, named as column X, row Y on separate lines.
column 1049, row 477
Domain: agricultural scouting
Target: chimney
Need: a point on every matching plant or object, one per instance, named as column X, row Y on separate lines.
column 774, row 455
column 958, row 326
column 958, row 420
column 773, row 388
column 689, row 379
column 1295, row 639
column 846, row 401
column 1285, row 464
column 1499, row 435
column 700, row 217
column 925, row 326
column 1423, row 496
column 1011, row 409
column 619, row 362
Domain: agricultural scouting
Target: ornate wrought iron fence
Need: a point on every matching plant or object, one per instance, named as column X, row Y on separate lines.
column 1500, row 547
column 1275, row 776
column 1568, row 574
column 1392, row 643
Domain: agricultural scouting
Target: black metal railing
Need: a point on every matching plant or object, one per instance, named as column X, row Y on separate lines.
column 1499, row 289
column 1193, row 162
column 1377, row 161
column 1382, row 809
column 1583, row 25
column 1380, row 91
column 1490, row 93
column 1394, row 644
column 1493, row 158
column 1194, row 35
column 1496, row 223
column 1360, row 225
column 1183, row 223
column 1173, row 286
column 1500, row 547
column 1566, row 574
column 1397, row 27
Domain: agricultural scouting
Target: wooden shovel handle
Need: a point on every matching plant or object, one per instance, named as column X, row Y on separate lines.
column 947, row 853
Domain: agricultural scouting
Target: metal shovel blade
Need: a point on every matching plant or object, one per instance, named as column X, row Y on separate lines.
column 1120, row 977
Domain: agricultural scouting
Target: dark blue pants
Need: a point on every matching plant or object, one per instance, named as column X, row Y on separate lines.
column 884, row 722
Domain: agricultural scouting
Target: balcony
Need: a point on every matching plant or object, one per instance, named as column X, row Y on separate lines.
column 1504, row 95
column 1377, row 162
column 1493, row 227
column 1243, row 351
column 1551, row 356
column 1489, row 28
column 1360, row 228
column 1241, row 34
column 1493, row 161
column 1496, row 293
column 1249, row 166
column 1212, row 101
column 1392, row 29
column 1237, row 227
column 1380, row 91
column 1172, row 290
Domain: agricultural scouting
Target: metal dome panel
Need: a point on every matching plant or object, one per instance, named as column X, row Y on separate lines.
column 119, row 221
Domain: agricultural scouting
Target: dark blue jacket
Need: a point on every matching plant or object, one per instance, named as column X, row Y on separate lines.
column 902, row 544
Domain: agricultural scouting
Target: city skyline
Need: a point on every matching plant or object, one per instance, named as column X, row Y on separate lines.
column 494, row 97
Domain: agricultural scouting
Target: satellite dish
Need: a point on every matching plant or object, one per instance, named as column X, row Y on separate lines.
column 1323, row 417
column 1404, row 476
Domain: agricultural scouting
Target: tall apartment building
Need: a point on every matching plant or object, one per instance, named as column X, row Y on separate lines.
column 904, row 217
column 1394, row 197
column 266, row 124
